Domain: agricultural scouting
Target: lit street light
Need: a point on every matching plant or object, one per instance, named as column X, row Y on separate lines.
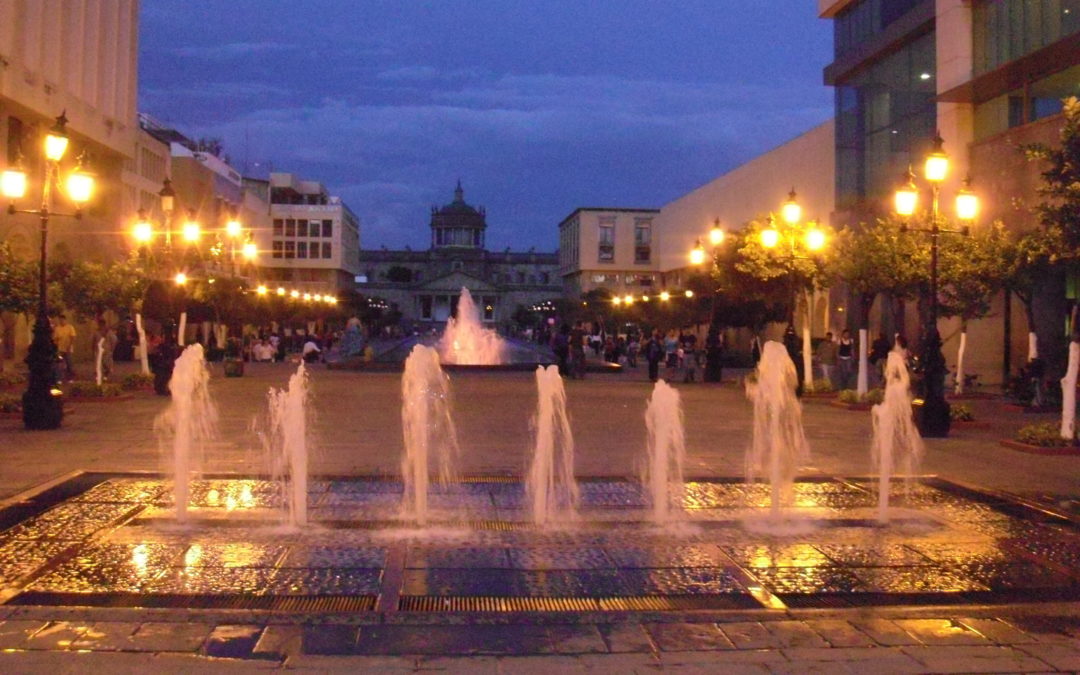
column 933, row 415
column 42, row 406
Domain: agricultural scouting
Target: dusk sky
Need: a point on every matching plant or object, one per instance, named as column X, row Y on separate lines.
column 538, row 106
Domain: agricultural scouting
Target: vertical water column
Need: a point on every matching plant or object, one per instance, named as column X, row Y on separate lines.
column 666, row 452
column 466, row 341
column 288, row 442
column 896, row 442
column 550, row 488
column 430, row 435
column 778, row 445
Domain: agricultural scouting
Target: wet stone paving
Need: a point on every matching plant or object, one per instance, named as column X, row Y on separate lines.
column 113, row 542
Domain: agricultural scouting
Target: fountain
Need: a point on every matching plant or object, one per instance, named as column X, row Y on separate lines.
column 550, row 487
column 896, row 439
column 287, row 443
column 663, row 474
column 430, row 436
column 189, row 422
column 466, row 340
column 779, row 443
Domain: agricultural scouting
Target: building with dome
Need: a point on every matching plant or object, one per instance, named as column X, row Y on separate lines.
column 424, row 285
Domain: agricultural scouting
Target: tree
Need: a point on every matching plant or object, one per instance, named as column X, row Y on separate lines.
column 1028, row 259
column 973, row 271
column 18, row 282
column 90, row 289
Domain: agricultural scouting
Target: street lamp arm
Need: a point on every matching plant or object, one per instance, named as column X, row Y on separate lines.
column 44, row 212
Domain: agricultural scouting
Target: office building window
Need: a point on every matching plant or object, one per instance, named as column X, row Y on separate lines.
column 642, row 240
column 1042, row 98
column 279, row 227
column 864, row 19
column 276, row 249
column 327, row 228
column 1005, row 30
column 301, row 248
column 489, row 307
column 326, row 250
column 606, row 251
column 314, row 228
column 425, row 307
column 290, row 227
column 290, row 250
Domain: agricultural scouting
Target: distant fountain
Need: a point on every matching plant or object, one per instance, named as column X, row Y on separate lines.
column 188, row 423
column 663, row 474
column 550, row 487
column 897, row 442
column 466, row 341
column 287, row 443
column 430, row 436
column 779, row 443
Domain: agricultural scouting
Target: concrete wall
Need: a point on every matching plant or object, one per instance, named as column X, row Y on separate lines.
column 581, row 276
column 758, row 187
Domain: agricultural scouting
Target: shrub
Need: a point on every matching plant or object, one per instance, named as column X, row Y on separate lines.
column 961, row 413
column 137, row 381
column 1045, row 435
column 849, row 396
column 823, row 386
column 92, row 390
column 874, row 396
column 10, row 403
column 11, row 378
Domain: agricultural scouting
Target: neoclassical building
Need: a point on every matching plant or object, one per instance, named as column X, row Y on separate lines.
column 424, row 285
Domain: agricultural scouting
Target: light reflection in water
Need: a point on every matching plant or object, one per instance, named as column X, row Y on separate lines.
column 192, row 555
column 140, row 556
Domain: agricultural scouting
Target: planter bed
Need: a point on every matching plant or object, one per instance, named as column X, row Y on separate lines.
column 970, row 424
column 1032, row 410
column 971, row 396
column 99, row 399
column 1039, row 449
column 819, row 396
column 851, row 406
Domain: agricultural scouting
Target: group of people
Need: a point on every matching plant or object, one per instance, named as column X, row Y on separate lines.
column 839, row 359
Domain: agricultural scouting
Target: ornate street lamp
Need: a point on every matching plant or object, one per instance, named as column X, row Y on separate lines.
column 933, row 415
column 42, row 405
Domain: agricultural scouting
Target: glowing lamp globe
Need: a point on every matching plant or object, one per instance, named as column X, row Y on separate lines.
column 907, row 198
column 261, row 290
column 180, row 278
column 665, row 296
column 815, row 239
column 55, row 146
column 689, row 293
column 770, row 237
column 251, row 251
column 191, row 231
column 280, row 290
column 697, row 254
column 629, row 299
column 937, row 162
column 80, row 186
column 294, row 294
column 791, row 212
column 967, row 205
column 142, row 231
column 717, row 234
column 13, row 183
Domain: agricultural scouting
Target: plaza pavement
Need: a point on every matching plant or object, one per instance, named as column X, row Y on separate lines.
column 357, row 431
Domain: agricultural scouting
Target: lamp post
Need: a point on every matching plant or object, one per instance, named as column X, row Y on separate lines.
column 809, row 238
column 933, row 415
column 42, row 403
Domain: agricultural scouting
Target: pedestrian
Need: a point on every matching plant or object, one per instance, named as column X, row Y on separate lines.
column 879, row 353
column 845, row 360
column 577, row 351
column 654, row 351
column 64, row 337
column 794, row 349
column 162, row 360
column 755, row 350
column 826, row 356
column 632, row 348
column 671, row 350
column 105, row 336
column 691, row 361
column 560, row 344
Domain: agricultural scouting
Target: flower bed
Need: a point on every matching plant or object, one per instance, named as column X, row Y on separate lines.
column 92, row 392
column 1042, row 439
column 849, row 399
column 11, row 380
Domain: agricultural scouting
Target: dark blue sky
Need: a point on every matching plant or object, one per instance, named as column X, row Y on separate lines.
column 539, row 106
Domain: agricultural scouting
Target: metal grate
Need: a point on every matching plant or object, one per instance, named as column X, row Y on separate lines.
column 280, row 603
column 457, row 603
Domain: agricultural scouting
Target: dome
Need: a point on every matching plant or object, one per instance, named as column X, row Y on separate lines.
column 457, row 223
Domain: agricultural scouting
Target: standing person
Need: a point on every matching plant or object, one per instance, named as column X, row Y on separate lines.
column 64, row 337
column 879, row 353
column 794, row 349
column 714, row 346
column 755, row 350
column 691, row 361
column 560, row 344
column 654, row 351
column 826, row 356
column 671, row 350
column 632, row 348
column 577, row 351
column 845, row 360
column 162, row 361
column 107, row 337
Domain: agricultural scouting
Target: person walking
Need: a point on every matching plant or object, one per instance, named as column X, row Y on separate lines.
column 654, row 351
column 794, row 349
column 826, row 356
column 577, row 351
column 845, row 360
column 64, row 337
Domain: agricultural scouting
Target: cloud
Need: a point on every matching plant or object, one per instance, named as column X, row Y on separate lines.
column 427, row 74
column 232, row 50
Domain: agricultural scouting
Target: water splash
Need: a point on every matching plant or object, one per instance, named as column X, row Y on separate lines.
column 663, row 474
column 897, row 442
column 188, row 424
column 430, row 436
column 466, row 341
column 550, row 487
column 287, row 442
column 779, row 444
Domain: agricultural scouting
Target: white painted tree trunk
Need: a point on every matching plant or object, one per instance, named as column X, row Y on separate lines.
column 182, row 329
column 1033, row 345
column 97, row 361
column 807, row 345
column 144, row 358
column 864, row 366
column 1068, row 393
column 960, row 362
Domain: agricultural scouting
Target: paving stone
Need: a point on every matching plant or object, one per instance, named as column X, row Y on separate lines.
column 966, row 659
column 801, row 667
column 998, row 631
column 1059, row 656
column 170, row 637
column 794, row 634
column 451, row 640
column 626, row 637
column 541, row 665
column 232, row 641
column 577, row 639
column 14, row 633
column 106, row 636
column 885, row 632
column 354, row 664
column 329, row 640
column 750, row 635
column 278, row 642
column 839, row 633
column 621, row 663
column 941, row 632
column 57, row 635
column 766, row 656
column 672, row 637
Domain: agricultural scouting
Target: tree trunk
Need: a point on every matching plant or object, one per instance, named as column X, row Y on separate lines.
column 960, row 358
column 181, row 329
column 807, row 354
column 862, row 382
column 144, row 358
column 1068, row 392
